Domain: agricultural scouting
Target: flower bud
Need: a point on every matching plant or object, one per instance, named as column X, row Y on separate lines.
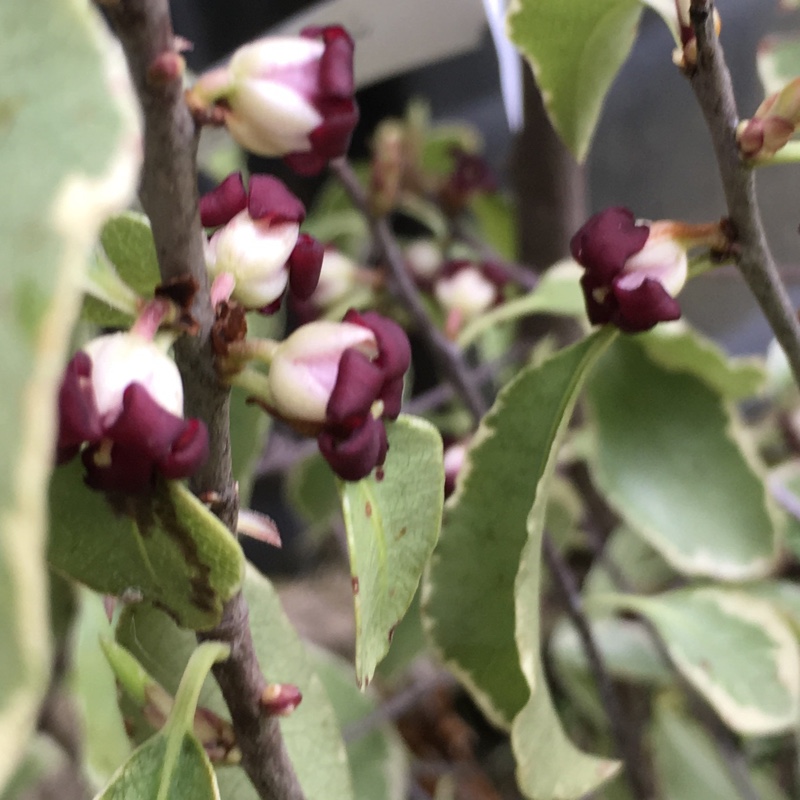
column 123, row 397
column 259, row 244
column 466, row 289
column 773, row 124
column 335, row 380
column 424, row 258
column 633, row 269
column 685, row 57
column 471, row 174
column 287, row 96
column 455, row 456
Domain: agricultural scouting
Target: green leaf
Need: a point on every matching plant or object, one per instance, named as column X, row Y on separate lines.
column 311, row 732
column 249, row 427
column 128, row 243
column 687, row 761
column 778, row 61
column 392, row 525
column 468, row 592
column 575, row 50
column 733, row 647
column 377, row 756
column 678, row 347
column 179, row 555
column 496, row 219
column 672, row 460
column 106, row 744
column 549, row 766
column 311, row 490
column 626, row 649
column 173, row 763
column 68, row 160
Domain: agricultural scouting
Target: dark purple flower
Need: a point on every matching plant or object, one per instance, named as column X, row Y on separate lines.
column 122, row 398
column 259, row 244
column 633, row 269
column 339, row 381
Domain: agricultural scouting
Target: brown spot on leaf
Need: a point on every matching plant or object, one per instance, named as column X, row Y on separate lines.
column 354, row 582
column 391, row 632
column 379, row 474
column 368, row 510
column 402, row 532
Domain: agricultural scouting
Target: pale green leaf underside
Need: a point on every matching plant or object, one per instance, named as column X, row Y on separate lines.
column 468, row 592
column 64, row 170
column 549, row 766
column 392, row 526
column 735, row 648
column 181, row 556
column 575, row 50
column 672, row 460
column 311, row 732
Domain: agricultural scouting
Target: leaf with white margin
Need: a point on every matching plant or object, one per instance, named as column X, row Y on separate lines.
column 64, row 171
column 468, row 589
column 311, row 732
column 392, row 517
column 677, row 346
column 673, row 460
column 734, row 648
column 575, row 50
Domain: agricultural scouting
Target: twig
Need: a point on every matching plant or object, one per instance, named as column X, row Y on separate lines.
column 445, row 352
column 169, row 197
column 712, row 85
column 625, row 736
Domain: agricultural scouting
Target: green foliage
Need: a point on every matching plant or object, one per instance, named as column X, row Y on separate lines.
column 64, row 171
column 575, row 50
column 173, row 763
column 392, row 520
column 167, row 548
column 734, row 648
column 660, row 436
column 469, row 594
column 311, row 732
column 778, row 63
column 377, row 757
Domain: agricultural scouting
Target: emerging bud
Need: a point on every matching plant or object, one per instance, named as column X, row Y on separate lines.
column 259, row 245
column 685, row 57
column 287, row 96
column 280, row 699
column 123, row 397
column 388, row 166
column 633, row 269
column 338, row 381
column 773, row 124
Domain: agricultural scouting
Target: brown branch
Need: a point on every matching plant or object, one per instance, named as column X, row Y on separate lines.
column 168, row 193
column 712, row 85
column 446, row 353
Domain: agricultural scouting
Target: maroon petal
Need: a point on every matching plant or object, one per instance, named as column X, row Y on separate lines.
column 331, row 138
column 601, row 303
column 471, row 173
column 78, row 418
column 130, row 470
column 358, row 383
column 144, row 425
column 336, row 64
column 305, row 265
column 356, row 456
column 189, row 451
column 270, row 197
column 306, row 164
column 606, row 241
column 642, row 308
column 394, row 351
column 222, row 204
column 392, row 396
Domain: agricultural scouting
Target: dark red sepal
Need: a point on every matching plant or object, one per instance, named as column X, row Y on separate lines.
column 221, row 205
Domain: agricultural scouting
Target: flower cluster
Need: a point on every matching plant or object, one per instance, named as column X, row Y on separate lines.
column 122, row 398
column 339, row 381
column 287, row 96
column 259, row 249
column 633, row 270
